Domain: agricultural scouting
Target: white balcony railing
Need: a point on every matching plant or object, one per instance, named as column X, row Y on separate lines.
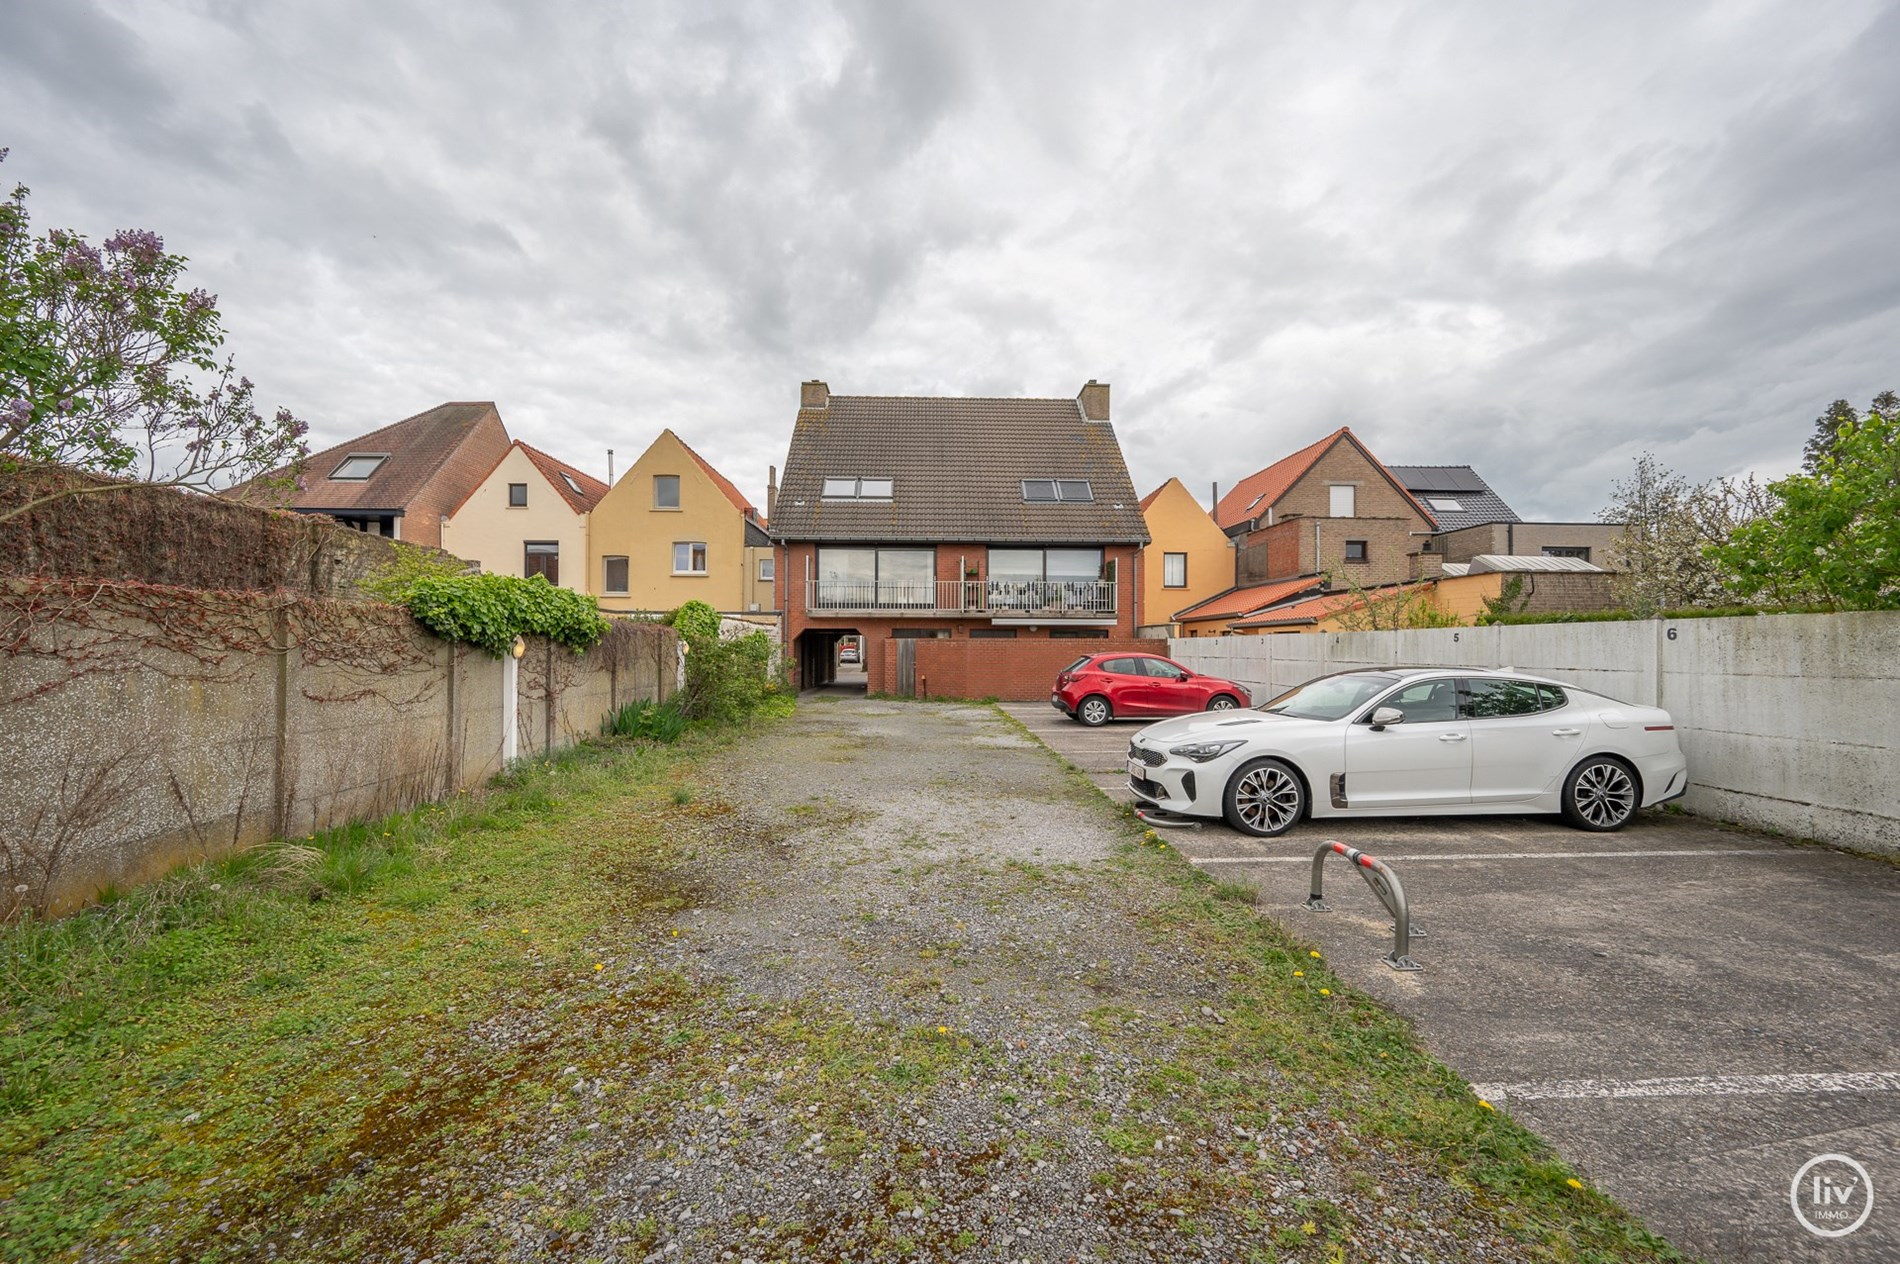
column 991, row 598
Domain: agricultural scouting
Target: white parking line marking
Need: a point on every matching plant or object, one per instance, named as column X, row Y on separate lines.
column 1697, row 1086
column 1524, row 855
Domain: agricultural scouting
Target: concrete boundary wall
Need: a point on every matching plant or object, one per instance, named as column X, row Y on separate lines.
column 1789, row 722
column 142, row 727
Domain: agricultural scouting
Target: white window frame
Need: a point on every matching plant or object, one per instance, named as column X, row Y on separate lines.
column 691, row 546
column 339, row 476
column 767, row 570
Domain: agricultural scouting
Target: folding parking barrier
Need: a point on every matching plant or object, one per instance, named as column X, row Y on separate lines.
column 1385, row 884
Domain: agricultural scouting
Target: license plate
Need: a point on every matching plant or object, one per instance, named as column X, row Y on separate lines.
column 1137, row 770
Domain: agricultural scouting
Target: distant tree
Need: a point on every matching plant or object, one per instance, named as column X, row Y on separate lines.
column 1827, row 427
column 1834, row 535
column 108, row 366
column 1661, row 560
column 1393, row 609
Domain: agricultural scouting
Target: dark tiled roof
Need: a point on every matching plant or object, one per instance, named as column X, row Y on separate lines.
column 957, row 466
column 1460, row 483
column 417, row 448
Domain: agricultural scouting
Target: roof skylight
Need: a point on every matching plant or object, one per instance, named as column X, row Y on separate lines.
column 1447, row 503
column 857, row 489
column 571, row 483
column 358, row 466
column 1049, row 491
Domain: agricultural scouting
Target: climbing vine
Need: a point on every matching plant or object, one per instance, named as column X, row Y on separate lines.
column 490, row 611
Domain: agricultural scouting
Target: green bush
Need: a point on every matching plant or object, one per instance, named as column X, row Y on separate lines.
column 412, row 563
column 654, row 721
column 1624, row 616
column 727, row 678
column 492, row 610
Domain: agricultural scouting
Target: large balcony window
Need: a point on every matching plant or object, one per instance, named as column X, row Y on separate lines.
column 1023, row 585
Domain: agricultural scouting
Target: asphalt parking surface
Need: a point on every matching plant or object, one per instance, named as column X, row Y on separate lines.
column 1688, row 1011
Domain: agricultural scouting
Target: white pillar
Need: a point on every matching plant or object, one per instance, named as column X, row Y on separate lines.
column 510, row 739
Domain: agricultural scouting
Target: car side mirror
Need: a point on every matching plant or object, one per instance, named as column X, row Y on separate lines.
column 1385, row 716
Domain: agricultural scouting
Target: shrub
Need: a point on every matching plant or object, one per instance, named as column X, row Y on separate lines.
column 654, row 721
column 727, row 678
column 392, row 580
column 492, row 610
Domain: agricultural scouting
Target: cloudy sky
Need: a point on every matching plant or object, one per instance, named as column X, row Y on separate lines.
column 1536, row 238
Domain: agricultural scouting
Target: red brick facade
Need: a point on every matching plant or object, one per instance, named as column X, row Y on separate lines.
column 1020, row 664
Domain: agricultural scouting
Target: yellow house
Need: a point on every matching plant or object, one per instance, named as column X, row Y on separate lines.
column 673, row 529
column 528, row 516
column 1188, row 559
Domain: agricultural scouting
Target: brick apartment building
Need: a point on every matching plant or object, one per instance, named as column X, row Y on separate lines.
column 976, row 545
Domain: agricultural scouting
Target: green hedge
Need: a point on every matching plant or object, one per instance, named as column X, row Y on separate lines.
column 492, row 610
column 1625, row 616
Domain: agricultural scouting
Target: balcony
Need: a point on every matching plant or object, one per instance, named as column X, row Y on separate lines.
column 1001, row 601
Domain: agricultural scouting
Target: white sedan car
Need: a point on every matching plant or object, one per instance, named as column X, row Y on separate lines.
column 1412, row 741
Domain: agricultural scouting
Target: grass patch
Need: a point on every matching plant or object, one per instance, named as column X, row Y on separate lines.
column 293, row 1037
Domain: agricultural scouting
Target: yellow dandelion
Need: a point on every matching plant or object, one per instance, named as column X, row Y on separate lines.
column 600, row 965
column 1574, row 1183
column 676, row 934
column 1485, row 1104
column 1325, row 991
column 943, row 1031
column 1313, row 955
column 1299, row 974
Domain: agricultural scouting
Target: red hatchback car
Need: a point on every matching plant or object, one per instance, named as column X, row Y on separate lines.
column 1097, row 688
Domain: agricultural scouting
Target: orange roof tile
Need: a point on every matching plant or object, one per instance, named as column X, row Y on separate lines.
column 1240, row 601
column 724, row 484
column 1317, row 608
column 1260, row 490
column 583, row 494
column 1149, row 499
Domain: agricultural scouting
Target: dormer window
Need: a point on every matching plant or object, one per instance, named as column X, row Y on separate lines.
column 1050, row 491
column 857, row 489
column 358, row 466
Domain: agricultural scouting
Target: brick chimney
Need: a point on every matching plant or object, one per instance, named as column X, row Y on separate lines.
column 1094, row 400
column 771, row 491
column 814, row 394
column 1427, row 565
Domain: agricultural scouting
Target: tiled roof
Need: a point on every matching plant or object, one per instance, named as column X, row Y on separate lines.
column 1240, row 601
column 957, row 467
column 590, row 490
column 1314, row 609
column 1254, row 495
column 724, row 484
column 1478, row 503
column 416, row 446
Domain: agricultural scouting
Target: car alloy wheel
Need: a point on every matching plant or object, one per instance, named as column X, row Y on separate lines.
column 1222, row 703
column 1093, row 711
column 1600, row 795
column 1265, row 798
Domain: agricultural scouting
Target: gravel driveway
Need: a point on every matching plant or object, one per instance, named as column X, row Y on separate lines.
column 913, row 1006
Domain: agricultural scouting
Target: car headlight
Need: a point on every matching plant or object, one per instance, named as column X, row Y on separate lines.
column 1201, row 752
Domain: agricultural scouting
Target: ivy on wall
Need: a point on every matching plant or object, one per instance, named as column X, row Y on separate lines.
column 490, row 611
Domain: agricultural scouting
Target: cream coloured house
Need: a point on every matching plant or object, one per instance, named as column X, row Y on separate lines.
column 528, row 516
column 673, row 529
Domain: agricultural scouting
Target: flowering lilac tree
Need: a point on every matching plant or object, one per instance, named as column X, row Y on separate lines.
column 107, row 365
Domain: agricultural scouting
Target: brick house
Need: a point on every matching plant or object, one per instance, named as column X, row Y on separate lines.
column 976, row 545
column 404, row 480
column 1330, row 508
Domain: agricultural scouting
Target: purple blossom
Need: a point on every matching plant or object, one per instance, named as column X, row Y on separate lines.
column 140, row 243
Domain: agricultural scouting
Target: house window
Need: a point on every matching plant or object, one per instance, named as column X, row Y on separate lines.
column 857, row 489
column 1355, row 550
column 765, row 568
column 1078, row 634
column 877, row 577
column 1446, row 503
column 1342, row 499
column 543, row 557
column 666, row 492
column 1174, row 570
column 569, row 479
column 358, row 466
column 992, row 634
column 1049, row 491
column 920, row 634
column 517, row 495
column 689, row 557
column 614, row 574
column 1567, row 550
column 1070, row 566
